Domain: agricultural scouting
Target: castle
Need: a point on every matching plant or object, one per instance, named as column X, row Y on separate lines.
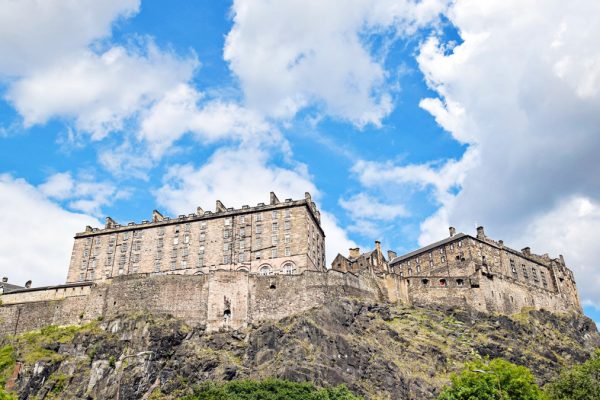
column 234, row 267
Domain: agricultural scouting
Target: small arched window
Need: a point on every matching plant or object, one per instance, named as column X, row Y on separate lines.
column 442, row 282
column 460, row 282
column 265, row 270
column 242, row 269
column 289, row 268
column 425, row 282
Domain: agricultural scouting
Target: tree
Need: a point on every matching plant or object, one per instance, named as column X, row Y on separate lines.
column 496, row 380
column 581, row 382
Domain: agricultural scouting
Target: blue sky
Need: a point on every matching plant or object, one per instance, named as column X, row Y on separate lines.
column 402, row 118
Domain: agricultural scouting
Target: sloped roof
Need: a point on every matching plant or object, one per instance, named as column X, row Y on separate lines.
column 9, row 287
column 428, row 247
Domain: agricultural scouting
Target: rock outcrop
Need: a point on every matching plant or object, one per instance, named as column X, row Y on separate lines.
column 377, row 350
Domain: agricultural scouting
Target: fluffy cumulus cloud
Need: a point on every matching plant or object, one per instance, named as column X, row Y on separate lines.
column 293, row 54
column 239, row 176
column 34, row 33
column 83, row 193
column 99, row 91
column 39, row 235
column 522, row 90
column 58, row 61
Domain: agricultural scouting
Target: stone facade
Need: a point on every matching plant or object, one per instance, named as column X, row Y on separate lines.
column 487, row 275
column 281, row 237
column 232, row 268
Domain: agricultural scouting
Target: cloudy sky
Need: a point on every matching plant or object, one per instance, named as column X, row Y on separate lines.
column 401, row 117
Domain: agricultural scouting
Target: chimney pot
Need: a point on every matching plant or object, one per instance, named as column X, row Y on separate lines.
column 452, row 231
column 5, row 279
column 355, row 252
column 391, row 255
column 480, row 232
column 28, row 284
column 378, row 246
column 526, row 251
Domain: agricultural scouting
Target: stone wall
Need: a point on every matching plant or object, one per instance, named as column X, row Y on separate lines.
column 221, row 299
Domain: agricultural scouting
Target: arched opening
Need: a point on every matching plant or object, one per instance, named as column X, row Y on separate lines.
column 272, row 286
column 242, row 269
column 265, row 270
column 289, row 268
column 442, row 282
column 425, row 282
column 227, row 313
column 460, row 282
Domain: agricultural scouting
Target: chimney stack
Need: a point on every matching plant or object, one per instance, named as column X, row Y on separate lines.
column 562, row 259
column 355, row 252
column 452, row 231
column 391, row 255
column 220, row 207
column 480, row 232
column 273, row 200
column 526, row 251
column 378, row 246
column 28, row 284
column 157, row 216
column 501, row 243
column 4, row 279
column 110, row 223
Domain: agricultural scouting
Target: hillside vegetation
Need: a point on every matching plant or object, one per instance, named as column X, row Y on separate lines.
column 375, row 350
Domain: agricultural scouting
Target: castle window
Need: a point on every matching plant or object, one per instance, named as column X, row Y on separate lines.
column 443, row 258
column 173, row 265
column 288, row 225
column 176, row 229
column 442, row 250
column 273, row 253
column 200, row 262
column 425, row 282
column 242, row 232
column 93, row 264
column 81, row 277
column 186, row 251
column 86, row 253
column 410, row 272
column 201, row 250
column 98, row 240
column 96, row 251
column 288, row 213
column 175, row 241
column 451, row 246
column 136, row 258
column 203, row 225
column 110, row 249
column 257, row 255
column 242, row 244
column 242, row 219
column 442, row 282
column 160, row 242
column 159, row 254
column 174, row 253
column 289, row 268
column 161, row 230
column 83, row 264
column 226, row 233
column 186, row 239
column 124, row 248
column 258, row 217
column 202, row 237
column 288, row 239
column 460, row 282
column 418, row 269
column 228, row 221
column 88, row 241
column 288, row 252
column 265, row 270
column 187, row 227
column 274, row 239
column 525, row 274
column 258, row 243
column 120, row 271
column 138, row 245
column 258, row 229
column 431, row 263
column 122, row 260
column 242, row 257
column 226, row 259
column 157, row 266
column 183, row 264
column 275, row 226
column 460, row 244
column 275, row 214
column 226, row 246
column 544, row 279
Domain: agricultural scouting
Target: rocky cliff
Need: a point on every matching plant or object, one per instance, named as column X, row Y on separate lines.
column 377, row 350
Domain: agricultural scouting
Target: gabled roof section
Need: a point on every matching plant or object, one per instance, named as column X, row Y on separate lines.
column 428, row 247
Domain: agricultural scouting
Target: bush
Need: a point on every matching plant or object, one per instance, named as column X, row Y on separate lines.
column 270, row 389
column 581, row 382
column 496, row 380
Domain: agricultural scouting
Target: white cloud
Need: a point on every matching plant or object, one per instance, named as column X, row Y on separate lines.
column 243, row 174
column 99, row 91
column 289, row 55
column 522, row 90
column 38, row 234
column 34, row 33
column 82, row 194
column 180, row 112
column 364, row 206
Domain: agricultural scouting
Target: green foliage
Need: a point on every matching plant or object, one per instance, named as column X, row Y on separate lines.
column 496, row 380
column 6, row 396
column 7, row 363
column 581, row 382
column 112, row 361
column 269, row 389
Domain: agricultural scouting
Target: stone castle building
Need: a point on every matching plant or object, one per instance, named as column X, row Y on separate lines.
column 279, row 237
column 234, row 267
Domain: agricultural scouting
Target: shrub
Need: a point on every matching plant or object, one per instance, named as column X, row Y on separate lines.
column 269, row 389
column 581, row 382
column 496, row 380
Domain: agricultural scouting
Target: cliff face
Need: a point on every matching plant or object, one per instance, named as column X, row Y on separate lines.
column 377, row 350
